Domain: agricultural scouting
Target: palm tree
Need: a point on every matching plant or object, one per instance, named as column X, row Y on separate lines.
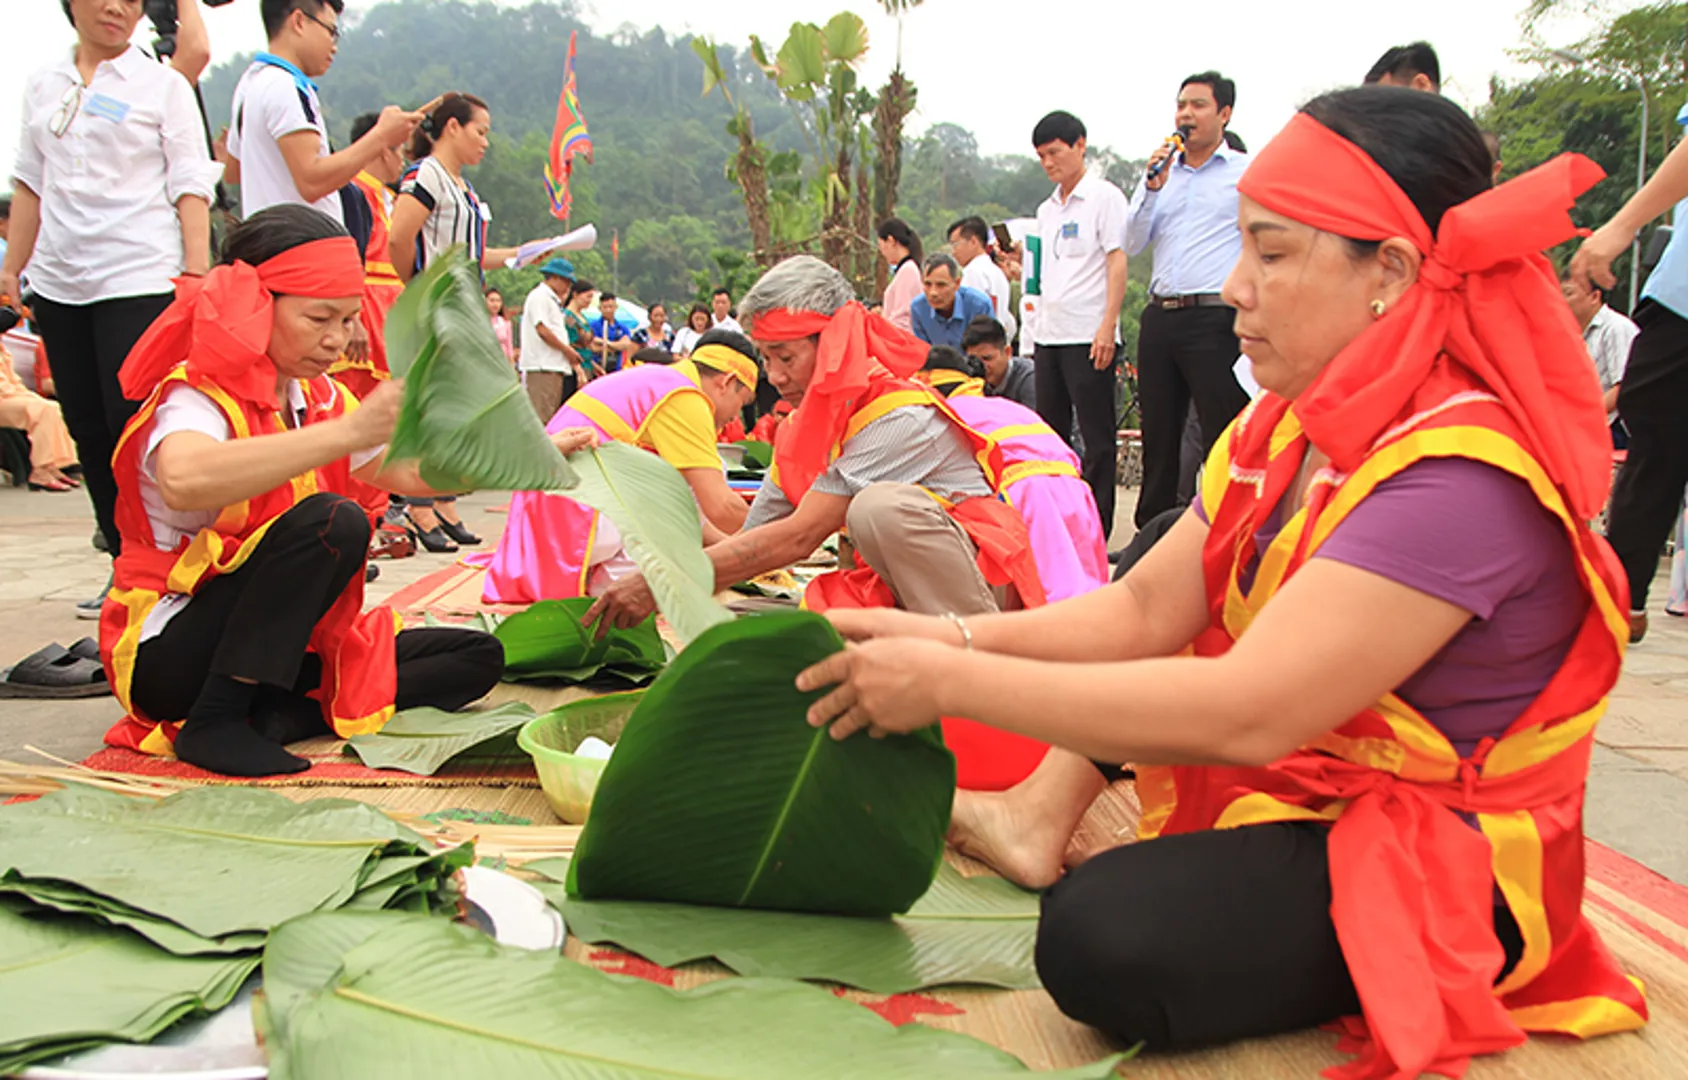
column 896, row 8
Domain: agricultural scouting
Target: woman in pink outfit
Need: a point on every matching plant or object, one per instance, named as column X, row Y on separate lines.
column 900, row 245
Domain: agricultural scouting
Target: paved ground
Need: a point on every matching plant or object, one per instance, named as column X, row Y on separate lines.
column 1638, row 785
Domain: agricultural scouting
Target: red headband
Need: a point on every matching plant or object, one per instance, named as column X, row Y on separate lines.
column 856, row 348
column 1485, row 297
column 220, row 324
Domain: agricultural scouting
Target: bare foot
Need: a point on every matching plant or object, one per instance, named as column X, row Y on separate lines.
column 988, row 826
column 1023, row 832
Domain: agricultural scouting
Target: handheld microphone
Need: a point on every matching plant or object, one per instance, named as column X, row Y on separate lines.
column 1176, row 141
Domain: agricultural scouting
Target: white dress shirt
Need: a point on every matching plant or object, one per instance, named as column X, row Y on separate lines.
column 729, row 323
column 268, row 105
column 109, row 182
column 1078, row 233
column 1609, row 336
column 983, row 274
column 542, row 308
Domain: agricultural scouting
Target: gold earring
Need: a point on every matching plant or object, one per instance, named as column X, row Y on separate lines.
column 1378, row 307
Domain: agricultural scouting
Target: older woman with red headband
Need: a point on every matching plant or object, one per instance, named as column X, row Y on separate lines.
column 1359, row 679
column 236, row 621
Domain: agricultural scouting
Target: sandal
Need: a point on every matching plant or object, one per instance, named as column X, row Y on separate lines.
column 434, row 539
column 458, row 532
column 54, row 672
column 391, row 542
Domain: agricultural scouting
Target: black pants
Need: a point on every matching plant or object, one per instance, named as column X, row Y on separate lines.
column 255, row 624
column 1204, row 938
column 86, row 346
column 1183, row 356
column 1653, row 404
column 1068, row 383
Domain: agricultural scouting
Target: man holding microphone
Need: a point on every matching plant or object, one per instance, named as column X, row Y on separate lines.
column 1187, row 208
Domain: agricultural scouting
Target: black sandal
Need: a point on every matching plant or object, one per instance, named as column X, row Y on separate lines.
column 54, row 672
column 457, row 531
column 434, row 539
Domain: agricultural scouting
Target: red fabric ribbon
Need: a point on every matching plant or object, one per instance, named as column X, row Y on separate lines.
column 1485, row 296
column 856, row 347
column 220, row 324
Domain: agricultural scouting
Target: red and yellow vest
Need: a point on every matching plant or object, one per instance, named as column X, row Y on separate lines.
column 1412, row 881
column 359, row 666
column 381, row 288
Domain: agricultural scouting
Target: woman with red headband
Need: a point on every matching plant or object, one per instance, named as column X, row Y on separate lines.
column 1359, row 678
column 236, row 621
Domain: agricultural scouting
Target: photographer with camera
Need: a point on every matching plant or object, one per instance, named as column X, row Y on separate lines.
column 111, row 200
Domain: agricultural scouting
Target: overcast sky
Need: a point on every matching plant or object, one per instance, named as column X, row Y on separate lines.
column 989, row 66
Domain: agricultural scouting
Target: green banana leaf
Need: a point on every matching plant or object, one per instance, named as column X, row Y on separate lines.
column 162, row 932
column 378, row 995
column 421, row 741
column 656, row 514
column 548, row 641
column 69, row 984
column 721, row 793
column 214, row 861
column 465, row 419
column 964, row 930
column 758, row 455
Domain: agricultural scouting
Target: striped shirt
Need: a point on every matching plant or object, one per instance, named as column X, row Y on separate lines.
column 910, row 445
column 455, row 215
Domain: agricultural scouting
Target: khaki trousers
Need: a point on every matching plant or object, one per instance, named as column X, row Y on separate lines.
column 545, row 390
column 927, row 559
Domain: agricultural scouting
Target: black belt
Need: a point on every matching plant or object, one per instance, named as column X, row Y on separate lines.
column 1188, row 300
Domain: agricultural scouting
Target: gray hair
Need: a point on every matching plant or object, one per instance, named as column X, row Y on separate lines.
column 800, row 283
column 942, row 258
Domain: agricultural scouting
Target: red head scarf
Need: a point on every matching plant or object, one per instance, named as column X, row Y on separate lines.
column 1485, row 297
column 856, row 349
column 220, row 324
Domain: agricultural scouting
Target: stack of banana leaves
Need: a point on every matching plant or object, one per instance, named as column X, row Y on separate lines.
column 120, row 916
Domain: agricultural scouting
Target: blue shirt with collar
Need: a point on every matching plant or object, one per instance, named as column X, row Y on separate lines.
column 1192, row 223
column 935, row 329
column 1668, row 283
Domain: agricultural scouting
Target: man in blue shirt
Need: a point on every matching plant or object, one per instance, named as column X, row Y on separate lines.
column 941, row 316
column 1653, row 398
column 611, row 340
column 1187, row 208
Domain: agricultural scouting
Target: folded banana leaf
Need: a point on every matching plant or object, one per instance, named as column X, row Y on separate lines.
column 209, row 868
column 654, row 510
column 423, row 740
column 964, row 930
column 547, row 641
column 378, row 995
column 721, row 793
column 465, row 419
column 70, row 984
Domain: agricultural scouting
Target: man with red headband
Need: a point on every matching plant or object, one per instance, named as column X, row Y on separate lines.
column 1359, row 678
column 236, row 621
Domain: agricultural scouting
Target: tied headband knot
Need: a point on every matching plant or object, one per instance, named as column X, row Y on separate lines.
column 1486, row 299
column 220, row 324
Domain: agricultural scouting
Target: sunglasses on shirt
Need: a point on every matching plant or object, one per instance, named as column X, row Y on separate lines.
column 69, row 106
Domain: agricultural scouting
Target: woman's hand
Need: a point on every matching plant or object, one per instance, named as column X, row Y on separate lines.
column 571, row 439
column 1593, row 260
column 885, row 686
column 372, row 421
column 865, row 624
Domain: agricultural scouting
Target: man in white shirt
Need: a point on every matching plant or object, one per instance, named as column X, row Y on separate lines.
column 1608, row 335
column 1081, row 266
column 721, row 311
column 279, row 136
column 969, row 241
column 547, row 361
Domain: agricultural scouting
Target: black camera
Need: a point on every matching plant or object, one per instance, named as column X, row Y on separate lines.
column 162, row 14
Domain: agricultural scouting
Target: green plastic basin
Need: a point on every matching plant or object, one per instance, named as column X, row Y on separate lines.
column 568, row 779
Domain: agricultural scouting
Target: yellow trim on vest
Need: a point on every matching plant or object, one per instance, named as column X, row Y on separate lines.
column 1534, row 744
column 1516, row 863
column 137, row 602
column 1157, row 796
column 1584, row 1017
column 205, row 552
column 882, row 405
column 1020, row 431
column 1259, row 808
column 1027, row 469
column 158, row 742
column 586, row 553
column 604, row 416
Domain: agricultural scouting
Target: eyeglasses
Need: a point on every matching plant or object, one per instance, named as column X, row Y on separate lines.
column 333, row 30
column 69, row 106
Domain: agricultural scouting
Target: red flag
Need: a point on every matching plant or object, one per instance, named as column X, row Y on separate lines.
column 568, row 138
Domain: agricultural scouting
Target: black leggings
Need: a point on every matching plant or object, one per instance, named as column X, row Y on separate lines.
column 255, row 624
column 1204, row 938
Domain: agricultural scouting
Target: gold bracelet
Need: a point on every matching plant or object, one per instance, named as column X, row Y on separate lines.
column 961, row 624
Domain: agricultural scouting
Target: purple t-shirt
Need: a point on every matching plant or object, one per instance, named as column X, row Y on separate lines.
column 1475, row 536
